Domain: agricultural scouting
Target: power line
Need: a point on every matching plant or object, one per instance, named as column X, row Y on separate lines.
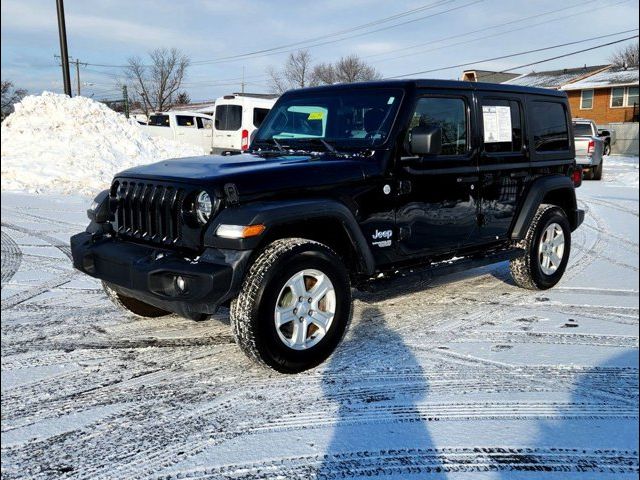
column 525, row 27
column 281, row 48
column 525, row 53
column 328, row 42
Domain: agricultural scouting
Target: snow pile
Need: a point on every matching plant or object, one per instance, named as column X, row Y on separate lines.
column 53, row 143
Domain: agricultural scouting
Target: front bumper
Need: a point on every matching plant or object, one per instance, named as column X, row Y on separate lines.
column 149, row 273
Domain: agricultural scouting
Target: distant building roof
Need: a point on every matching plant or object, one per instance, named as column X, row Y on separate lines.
column 612, row 77
column 555, row 78
column 487, row 76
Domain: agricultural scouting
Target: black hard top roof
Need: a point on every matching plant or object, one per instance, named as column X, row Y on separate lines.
column 438, row 84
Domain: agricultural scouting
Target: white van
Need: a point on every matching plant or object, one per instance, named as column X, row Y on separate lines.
column 237, row 117
column 183, row 126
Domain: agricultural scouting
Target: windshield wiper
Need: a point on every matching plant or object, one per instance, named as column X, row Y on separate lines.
column 328, row 146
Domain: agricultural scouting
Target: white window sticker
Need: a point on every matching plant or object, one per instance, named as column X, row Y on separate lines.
column 497, row 124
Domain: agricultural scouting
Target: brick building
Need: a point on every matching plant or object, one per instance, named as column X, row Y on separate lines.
column 609, row 96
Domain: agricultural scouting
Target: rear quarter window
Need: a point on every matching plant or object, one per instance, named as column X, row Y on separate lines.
column 259, row 114
column 550, row 126
column 184, row 121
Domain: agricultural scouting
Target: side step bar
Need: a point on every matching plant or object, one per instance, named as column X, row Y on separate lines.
column 444, row 267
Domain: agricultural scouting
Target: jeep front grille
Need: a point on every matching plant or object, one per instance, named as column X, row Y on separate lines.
column 147, row 211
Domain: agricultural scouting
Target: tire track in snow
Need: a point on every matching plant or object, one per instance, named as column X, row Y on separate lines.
column 11, row 257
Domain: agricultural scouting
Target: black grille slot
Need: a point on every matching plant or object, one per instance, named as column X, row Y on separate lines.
column 148, row 211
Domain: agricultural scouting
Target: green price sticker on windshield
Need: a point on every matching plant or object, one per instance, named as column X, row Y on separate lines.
column 315, row 116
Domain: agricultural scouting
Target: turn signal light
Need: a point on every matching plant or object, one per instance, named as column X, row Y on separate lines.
column 240, row 231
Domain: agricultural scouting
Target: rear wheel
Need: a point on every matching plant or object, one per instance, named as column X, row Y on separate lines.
column 133, row 305
column 597, row 171
column 607, row 149
column 294, row 305
column 546, row 246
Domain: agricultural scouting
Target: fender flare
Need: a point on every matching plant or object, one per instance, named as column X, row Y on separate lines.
column 278, row 213
column 538, row 190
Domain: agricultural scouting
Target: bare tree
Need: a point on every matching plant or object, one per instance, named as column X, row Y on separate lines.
column 296, row 72
column 156, row 84
column 10, row 95
column 352, row 69
column 626, row 56
column 183, row 98
column 323, row 74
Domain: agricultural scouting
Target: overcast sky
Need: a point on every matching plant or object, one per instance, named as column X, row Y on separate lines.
column 110, row 31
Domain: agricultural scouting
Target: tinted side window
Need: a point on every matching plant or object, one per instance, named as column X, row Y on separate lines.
column 259, row 114
column 204, row 122
column 502, row 124
column 550, row 128
column 184, row 121
column 450, row 114
column 159, row 120
column 228, row 117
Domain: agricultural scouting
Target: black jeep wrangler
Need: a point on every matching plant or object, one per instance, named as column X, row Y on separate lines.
column 340, row 185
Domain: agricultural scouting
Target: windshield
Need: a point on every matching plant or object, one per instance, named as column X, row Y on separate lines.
column 582, row 129
column 343, row 118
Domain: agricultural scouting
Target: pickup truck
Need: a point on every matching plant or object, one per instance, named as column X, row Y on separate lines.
column 186, row 127
column 589, row 148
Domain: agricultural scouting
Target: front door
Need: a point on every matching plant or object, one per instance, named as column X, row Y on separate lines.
column 438, row 195
column 504, row 163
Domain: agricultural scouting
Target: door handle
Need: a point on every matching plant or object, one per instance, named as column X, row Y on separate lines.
column 467, row 179
column 518, row 174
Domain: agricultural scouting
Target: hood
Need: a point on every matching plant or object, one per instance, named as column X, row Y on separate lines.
column 253, row 173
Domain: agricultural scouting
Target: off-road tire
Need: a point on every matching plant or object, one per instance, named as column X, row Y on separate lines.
column 133, row 305
column 526, row 270
column 252, row 312
column 597, row 171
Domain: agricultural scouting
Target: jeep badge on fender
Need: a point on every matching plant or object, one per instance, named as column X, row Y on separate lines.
column 340, row 184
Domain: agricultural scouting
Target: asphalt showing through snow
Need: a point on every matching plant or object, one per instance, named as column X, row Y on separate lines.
column 464, row 376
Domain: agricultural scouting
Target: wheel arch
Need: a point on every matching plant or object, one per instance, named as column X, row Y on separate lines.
column 555, row 190
column 323, row 220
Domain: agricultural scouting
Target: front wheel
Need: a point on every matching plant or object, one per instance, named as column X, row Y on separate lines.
column 597, row 171
column 294, row 305
column 546, row 250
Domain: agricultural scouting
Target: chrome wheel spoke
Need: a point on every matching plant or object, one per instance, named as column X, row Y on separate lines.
column 297, row 286
column 299, row 334
column 320, row 289
column 558, row 241
column 555, row 259
column 321, row 319
column 284, row 315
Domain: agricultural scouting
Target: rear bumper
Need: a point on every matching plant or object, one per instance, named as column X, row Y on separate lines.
column 149, row 273
column 587, row 161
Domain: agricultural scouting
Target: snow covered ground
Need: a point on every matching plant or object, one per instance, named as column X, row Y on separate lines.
column 464, row 376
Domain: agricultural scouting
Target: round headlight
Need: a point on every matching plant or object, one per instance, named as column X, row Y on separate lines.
column 203, row 207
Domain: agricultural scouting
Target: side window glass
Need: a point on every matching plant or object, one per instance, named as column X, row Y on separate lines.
column 550, row 128
column 259, row 114
column 450, row 114
column 502, row 125
column 204, row 123
column 159, row 120
column 184, row 121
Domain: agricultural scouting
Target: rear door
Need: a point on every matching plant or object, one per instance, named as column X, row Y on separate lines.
column 504, row 162
column 227, row 126
column 187, row 131
column 205, row 129
column 437, row 210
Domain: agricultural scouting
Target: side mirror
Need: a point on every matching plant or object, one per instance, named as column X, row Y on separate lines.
column 425, row 140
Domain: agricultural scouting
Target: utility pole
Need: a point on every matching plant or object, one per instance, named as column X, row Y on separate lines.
column 125, row 99
column 64, row 54
column 78, row 63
